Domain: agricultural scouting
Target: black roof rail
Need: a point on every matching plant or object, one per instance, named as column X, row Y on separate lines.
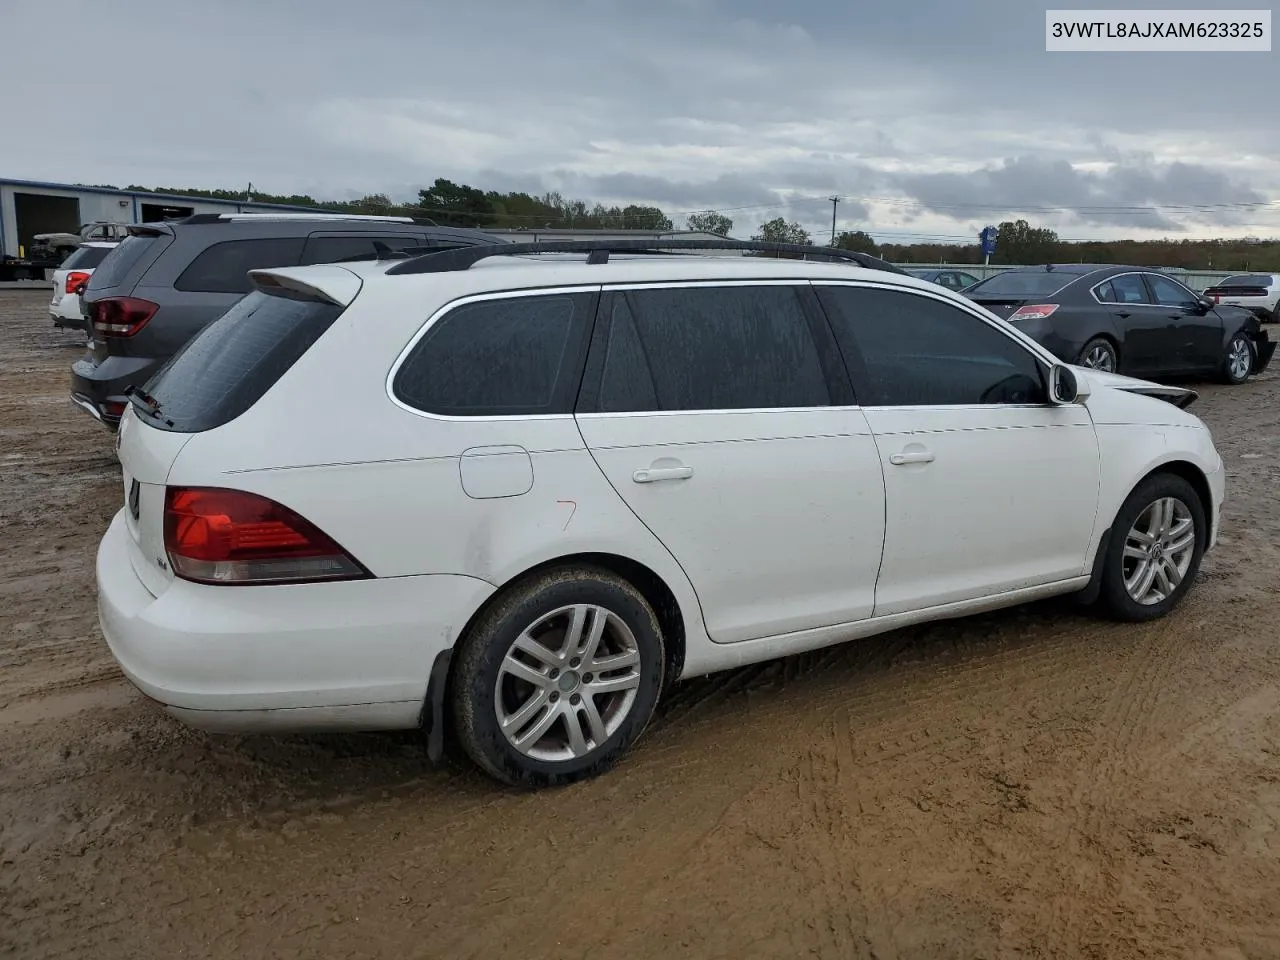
column 598, row 251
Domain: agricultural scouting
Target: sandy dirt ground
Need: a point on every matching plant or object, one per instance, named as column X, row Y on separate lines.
column 1027, row 784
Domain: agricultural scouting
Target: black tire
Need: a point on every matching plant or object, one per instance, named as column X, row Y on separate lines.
column 1114, row 595
column 1230, row 372
column 482, row 651
column 1099, row 347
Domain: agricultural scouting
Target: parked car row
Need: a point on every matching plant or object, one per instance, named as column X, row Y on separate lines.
column 1128, row 320
column 508, row 493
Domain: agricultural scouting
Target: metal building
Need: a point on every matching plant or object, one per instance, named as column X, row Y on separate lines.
column 30, row 207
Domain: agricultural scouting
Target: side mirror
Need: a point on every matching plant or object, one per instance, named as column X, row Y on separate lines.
column 1203, row 305
column 1065, row 387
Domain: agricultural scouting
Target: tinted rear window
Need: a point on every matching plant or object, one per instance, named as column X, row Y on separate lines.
column 1247, row 280
column 1020, row 283
column 224, row 267
column 86, row 258
column 120, row 261
column 230, row 364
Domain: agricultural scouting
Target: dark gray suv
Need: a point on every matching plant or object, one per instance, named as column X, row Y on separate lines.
column 166, row 281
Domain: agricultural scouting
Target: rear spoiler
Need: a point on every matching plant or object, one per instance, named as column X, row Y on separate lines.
column 324, row 283
column 1180, row 397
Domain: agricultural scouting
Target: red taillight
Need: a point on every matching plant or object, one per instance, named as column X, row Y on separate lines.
column 230, row 537
column 74, row 279
column 1036, row 311
column 113, row 408
column 121, row 316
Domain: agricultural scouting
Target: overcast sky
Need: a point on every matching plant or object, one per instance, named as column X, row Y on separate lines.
column 928, row 118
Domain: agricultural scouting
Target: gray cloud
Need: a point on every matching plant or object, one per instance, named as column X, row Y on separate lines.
column 689, row 104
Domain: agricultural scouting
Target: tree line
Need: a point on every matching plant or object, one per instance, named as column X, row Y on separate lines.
column 462, row 205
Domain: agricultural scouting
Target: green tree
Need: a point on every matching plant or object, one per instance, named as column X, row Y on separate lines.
column 709, row 222
column 644, row 218
column 778, row 230
column 1019, row 242
column 455, row 204
column 859, row 241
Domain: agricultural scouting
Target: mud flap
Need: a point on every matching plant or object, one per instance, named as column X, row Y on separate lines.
column 1089, row 595
column 433, row 709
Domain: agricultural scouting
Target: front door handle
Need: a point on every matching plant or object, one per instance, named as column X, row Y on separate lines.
column 654, row 474
column 915, row 456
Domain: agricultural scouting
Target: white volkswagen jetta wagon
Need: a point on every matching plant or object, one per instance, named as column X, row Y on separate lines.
column 510, row 494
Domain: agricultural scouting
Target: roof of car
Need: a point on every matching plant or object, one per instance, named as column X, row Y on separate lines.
column 573, row 269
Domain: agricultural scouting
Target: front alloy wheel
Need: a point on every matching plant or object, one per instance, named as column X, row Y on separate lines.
column 558, row 677
column 1239, row 362
column 1157, row 540
column 1158, row 551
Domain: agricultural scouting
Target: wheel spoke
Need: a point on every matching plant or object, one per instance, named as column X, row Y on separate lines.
column 577, row 626
column 1167, row 576
column 516, row 721
column 527, row 645
column 595, row 722
column 538, row 730
column 628, row 658
column 1134, row 553
column 577, row 739
column 1139, row 584
column 628, row 681
column 1141, row 537
column 1185, row 542
column 521, row 670
column 587, row 649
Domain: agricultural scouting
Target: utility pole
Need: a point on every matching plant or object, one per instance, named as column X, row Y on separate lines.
column 834, row 201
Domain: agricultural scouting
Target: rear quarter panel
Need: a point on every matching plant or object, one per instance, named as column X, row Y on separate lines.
column 386, row 483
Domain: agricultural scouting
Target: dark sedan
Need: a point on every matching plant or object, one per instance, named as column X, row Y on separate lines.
column 949, row 278
column 1127, row 320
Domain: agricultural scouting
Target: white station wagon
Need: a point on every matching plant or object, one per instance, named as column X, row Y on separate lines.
column 510, row 494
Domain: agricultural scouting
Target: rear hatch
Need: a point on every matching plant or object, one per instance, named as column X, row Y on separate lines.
column 119, row 273
column 222, row 372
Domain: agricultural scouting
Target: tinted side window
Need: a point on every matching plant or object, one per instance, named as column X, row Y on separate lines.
column 1169, row 292
column 322, row 249
column 906, row 349
column 711, row 348
column 1129, row 288
column 1105, row 293
column 509, row 356
column 227, row 367
column 224, row 267
column 121, row 260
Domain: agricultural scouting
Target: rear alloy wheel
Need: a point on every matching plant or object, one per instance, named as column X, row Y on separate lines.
column 1099, row 354
column 1238, row 364
column 557, row 680
column 1154, row 553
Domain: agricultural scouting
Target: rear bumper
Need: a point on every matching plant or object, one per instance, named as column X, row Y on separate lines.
column 355, row 655
column 99, row 388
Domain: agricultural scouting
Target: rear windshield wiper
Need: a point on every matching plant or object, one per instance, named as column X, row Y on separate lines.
column 146, row 403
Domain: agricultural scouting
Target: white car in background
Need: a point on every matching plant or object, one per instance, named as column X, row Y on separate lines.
column 1256, row 292
column 65, row 308
column 510, row 494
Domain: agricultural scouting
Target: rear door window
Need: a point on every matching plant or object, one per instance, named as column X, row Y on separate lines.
column 507, row 356
column 224, row 267
column 1129, row 288
column 233, row 361
column 710, row 348
column 117, row 266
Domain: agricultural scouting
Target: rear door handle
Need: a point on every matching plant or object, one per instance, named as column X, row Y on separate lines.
column 915, row 456
column 654, row 474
